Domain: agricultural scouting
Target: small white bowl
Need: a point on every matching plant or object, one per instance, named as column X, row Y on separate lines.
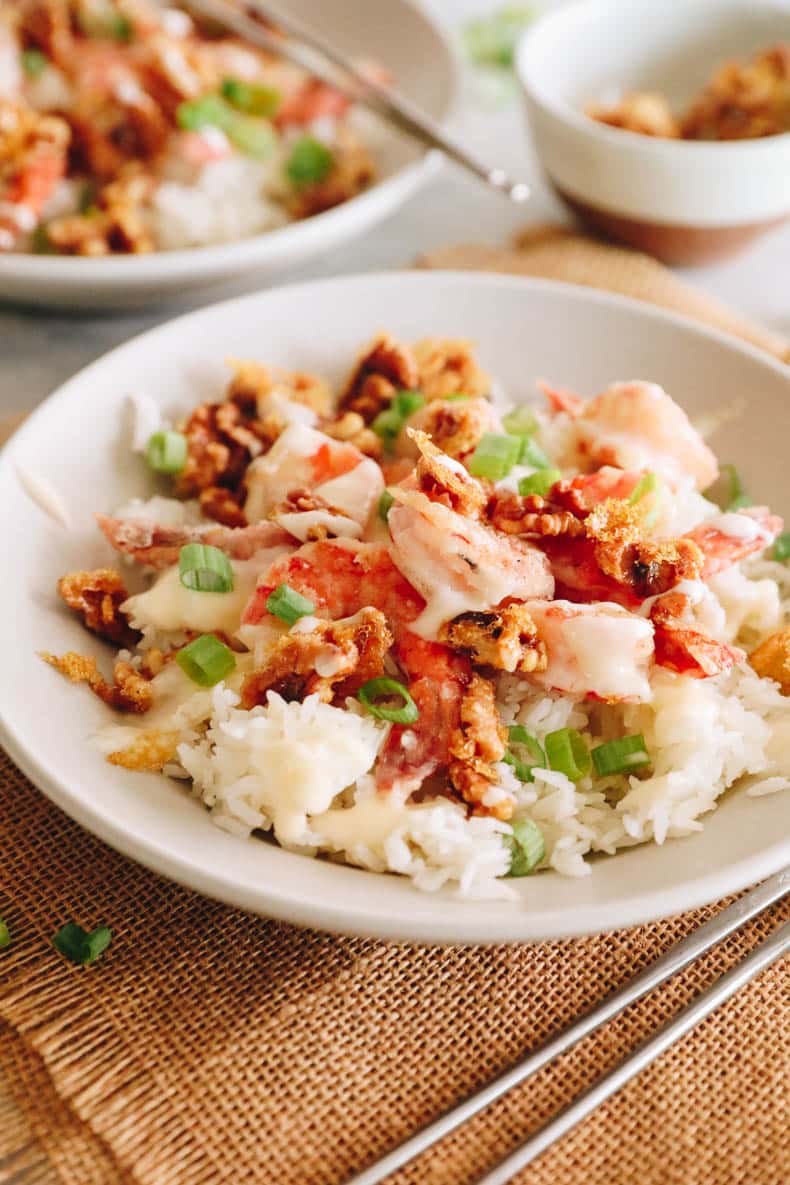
column 684, row 201
column 395, row 33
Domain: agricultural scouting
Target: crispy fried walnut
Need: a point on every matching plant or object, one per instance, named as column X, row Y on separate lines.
column 130, row 691
column 649, row 566
column 648, row 114
column 223, row 506
column 447, row 366
column 445, row 480
column 457, row 427
column 150, row 752
column 350, row 428
column 222, row 439
column 771, row 659
column 97, row 597
column 533, row 515
column 476, row 745
column 744, row 101
column 47, row 24
column 352, row 170
column 332, row 660
column 116, row 223
column 502, row 638
column 252, row 382
column 385, row 367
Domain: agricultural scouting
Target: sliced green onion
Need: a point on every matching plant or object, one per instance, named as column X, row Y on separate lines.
column 568, row 753
column 781, row 548
column 253, row 137
column 289, row 605
column 81, row 946
column 405, row 403
column 385, row 688
column 647, row 484
column 456, row 395
column 203, row 112
column 532, row 454
column 621, row 755
column 206, row 660
column 205, row 569
column 539, row 482
column 34, row 62
column 388, row 424
column 101, row 21
column 521, row 421
column 167, row 452
column 251, row 97
column 527, row 847
column 385, row 502
column 5, row 934
column 524, row 752
column 310, row 161
column 491, row 40
column 727, row 491
column 495, row 456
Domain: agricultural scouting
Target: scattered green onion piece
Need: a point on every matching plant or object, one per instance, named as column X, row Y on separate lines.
column 205, row 569
column 728, row 492
column 539, row 482
column 310, row 161
column 532, row 454
column 34, row 62
column 781, row 548
column 289, row 605
column 522, row 421
column 524, row 753
column 253, row 137
column 740, row 502
column 647, row 484
column 5, row 934
column 527, row 847
column 385, row 502
column 384, row 688
column 405, row 403
column 81, row 946
column 167, row 452
column 495, row 456
column 491, row 40
column 568, row 753
column 456, row 395
column 387, row 425
column 203, row 112
column 251, row 97
column 206, row 660
column 621, row 755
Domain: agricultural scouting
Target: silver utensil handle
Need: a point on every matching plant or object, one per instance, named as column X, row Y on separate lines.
column 675, row 959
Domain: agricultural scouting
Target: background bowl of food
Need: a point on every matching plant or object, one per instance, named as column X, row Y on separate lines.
column 143, row 155
column 665, row 125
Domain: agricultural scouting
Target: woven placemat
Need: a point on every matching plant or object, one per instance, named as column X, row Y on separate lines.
column 208, row 1046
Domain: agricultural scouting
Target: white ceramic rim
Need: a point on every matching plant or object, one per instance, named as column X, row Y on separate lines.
column 456, row 925
column 653, row 145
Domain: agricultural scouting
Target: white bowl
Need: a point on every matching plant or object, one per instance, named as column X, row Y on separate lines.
column 524, row 329
column 395, row 33
column 685, row 201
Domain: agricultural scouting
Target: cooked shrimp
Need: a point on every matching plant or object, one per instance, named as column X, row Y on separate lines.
column 158, row 547
column 562, row 399
column 637, row 425
column 682, row 646
column 33, row 158
column 302, row 459
column 597, row 650
column 460, row 565
column 728, row 538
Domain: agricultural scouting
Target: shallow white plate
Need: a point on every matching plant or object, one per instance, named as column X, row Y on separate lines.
column 395, row 33
column 525, row 329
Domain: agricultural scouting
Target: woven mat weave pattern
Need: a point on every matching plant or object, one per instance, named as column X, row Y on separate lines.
column 208, row 1046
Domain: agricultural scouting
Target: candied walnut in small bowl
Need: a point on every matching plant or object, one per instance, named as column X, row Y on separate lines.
column 687, row 153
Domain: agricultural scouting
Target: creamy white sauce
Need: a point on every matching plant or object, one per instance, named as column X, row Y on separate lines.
column 367, row 823
column 41, row 491
column 356, row 492
column 167, row 605
column 146, row 419
column 303, row 523
column 739, row 526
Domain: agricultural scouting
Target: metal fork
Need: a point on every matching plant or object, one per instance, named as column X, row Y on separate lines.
column 311, row 52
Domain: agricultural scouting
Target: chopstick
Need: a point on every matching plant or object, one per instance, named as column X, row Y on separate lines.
column 669, row 964
column 306, row 49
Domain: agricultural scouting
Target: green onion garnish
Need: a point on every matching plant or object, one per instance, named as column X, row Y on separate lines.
column 253, row 137
column 532, row 454
column 495, row 455
column 206, row 660
column 405, row 403
column 203, row 112
column 539, row 482
column 524, row 752
column 205, row 569
column 385, row 502
column 647, row 484
column 385, row 688
column 387, row 425
column 5, row 934
column 491, row 40
column 727, row 491
column 568, row 753
column 34, row 62
column 310, row 161
column 251, row 97
column 456, row 395
column 167, row 452
column 620, row 756
column 105, row 24
column 527, row 847
column 781, row 548
column 289, row 605
column 522, row 421
column 81, row 946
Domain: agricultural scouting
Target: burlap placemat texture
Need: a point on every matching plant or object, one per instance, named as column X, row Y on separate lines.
column 209, row 1046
